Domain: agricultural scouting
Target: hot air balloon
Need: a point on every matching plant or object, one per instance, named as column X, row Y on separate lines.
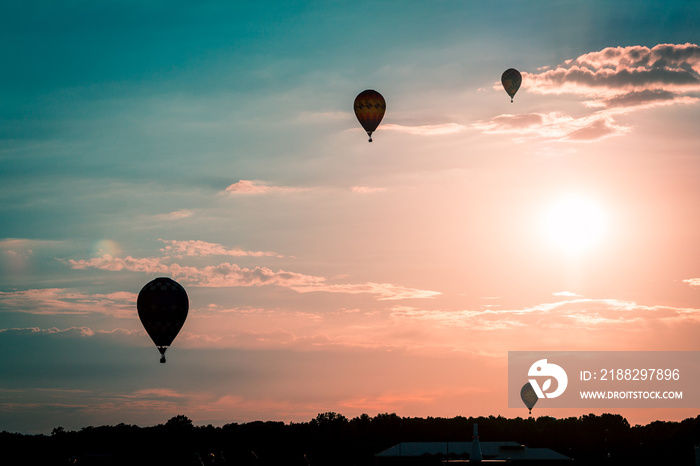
column 511, row 80
column 162, row 305
column 529, row 397
column 369, row 110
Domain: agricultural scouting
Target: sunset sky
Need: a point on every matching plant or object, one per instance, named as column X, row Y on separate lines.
column 215, row 143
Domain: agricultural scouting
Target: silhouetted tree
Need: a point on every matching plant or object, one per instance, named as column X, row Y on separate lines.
column 332, row 439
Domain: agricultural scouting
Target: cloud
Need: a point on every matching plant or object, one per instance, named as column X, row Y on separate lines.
column 58, row 301
column 176, row 215
column 73, row 331
column 391, row 401
column 202, row 248
column 384, row 291
column 567, row 293
column 426, row 130
column 114, row 264
column 155, row 393
column 260, row 187
column 226, row 274
column 366, row 190
column 692, row 281
column 554, row 125
column 230, row 275
column 615, row 80
column 25, row 245
column 666, row 70
column 581, row 313
column 642, row 99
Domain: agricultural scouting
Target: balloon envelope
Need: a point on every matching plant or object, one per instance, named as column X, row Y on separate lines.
column 162, row 306
column 511, row 80
column 369, row 110
column 528, row 395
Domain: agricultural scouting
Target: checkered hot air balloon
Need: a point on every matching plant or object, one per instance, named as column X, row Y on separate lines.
column 162, row 305
column 369, row 110
column 511, row 80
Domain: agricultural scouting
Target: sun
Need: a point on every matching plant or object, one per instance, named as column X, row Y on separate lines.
column 574, row 224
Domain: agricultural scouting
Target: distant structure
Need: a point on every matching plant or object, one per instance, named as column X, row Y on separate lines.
column 476, row 455
column 420, row 453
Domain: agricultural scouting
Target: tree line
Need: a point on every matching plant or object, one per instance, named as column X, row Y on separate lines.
column 333, row 439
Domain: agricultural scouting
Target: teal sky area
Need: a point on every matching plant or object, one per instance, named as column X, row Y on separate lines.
column 215, row 142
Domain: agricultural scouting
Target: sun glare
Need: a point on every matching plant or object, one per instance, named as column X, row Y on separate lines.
column 574, row 225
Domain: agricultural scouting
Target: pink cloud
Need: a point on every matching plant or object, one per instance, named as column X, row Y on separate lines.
column 202, row 248
column 642, row 99
column 384, row 291
column 595, row 127
column 554, row 125
column 260, row 187
column 232, row 275
column 156, row 393
column 228, row 275
column 617, row 80
column 567, row 294
column 176, row 215
column 663, row 72
column 78, row 331
column 107, row 262
column 581, row 313
column 390, row 401
column 426, row 130
column 366, row 190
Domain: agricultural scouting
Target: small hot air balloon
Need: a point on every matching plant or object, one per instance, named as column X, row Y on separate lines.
column 529, row 397
column 162, row 305
column 369, row 110
column 511, row 80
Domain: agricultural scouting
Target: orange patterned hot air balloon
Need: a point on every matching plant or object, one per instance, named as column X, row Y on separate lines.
column 369, row 110
column 511, row 80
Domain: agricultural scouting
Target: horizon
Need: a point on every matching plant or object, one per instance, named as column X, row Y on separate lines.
column 330, row 415
column 216, row 144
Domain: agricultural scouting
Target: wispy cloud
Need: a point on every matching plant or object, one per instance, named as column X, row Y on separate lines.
column 75, row 331
column 583, row 313
column 261, row 187
column 115, row 264
column 24, row 244
column 384, row 291
column 554, row 125
column 426, row 130
column 15, row 253
column 203, row 248
column 176, row 215
column 567, row 294
column 232, row 275
column 366, row 190
column 57, row 301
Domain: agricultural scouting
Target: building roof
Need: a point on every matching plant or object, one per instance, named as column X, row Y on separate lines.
column 490, row 450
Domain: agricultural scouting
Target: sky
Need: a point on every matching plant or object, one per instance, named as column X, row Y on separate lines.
column 215, row 143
